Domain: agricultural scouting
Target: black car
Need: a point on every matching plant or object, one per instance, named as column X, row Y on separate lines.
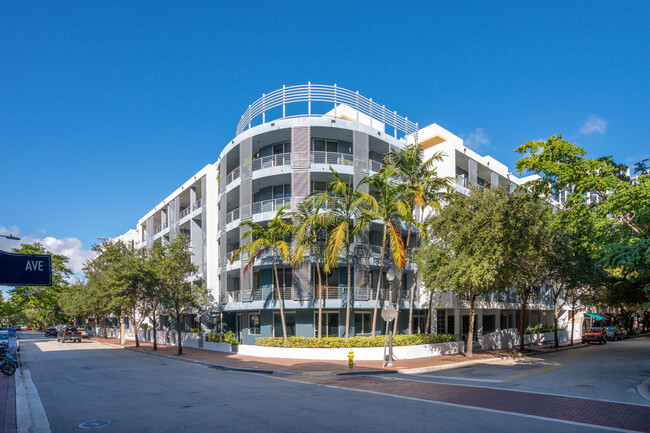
column 68, row 333
column 51, row 332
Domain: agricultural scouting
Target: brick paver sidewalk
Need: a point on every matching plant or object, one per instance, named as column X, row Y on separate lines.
column 7, row 404
column 304, row 366
column 607, row 414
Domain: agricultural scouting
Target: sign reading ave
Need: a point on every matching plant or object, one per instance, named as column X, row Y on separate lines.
column 25, row 269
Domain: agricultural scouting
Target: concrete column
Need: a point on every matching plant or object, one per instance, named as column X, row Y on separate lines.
column 472, row 171
column 457, row 322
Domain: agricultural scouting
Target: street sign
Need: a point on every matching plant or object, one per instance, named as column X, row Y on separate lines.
column 25, row 269
column 388, row 313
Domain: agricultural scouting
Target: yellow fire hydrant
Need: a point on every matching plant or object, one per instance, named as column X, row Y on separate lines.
column 351, row 358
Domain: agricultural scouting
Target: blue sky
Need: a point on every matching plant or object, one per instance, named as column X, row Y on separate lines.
column 107, row 107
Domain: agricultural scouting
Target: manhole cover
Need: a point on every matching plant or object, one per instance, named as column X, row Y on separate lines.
column 98, row 423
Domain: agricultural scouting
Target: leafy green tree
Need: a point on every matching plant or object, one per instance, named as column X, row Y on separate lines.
column 154, row 290
column 310, row 236
column 175, row 276
column 619, row 203
column 41, row 303
column 273, row 239
column 347, row 213
column 527, row 236
column 464, row 251
column 390, row 208
column 424, row 188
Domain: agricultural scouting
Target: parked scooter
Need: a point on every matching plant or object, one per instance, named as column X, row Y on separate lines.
column 8, row 364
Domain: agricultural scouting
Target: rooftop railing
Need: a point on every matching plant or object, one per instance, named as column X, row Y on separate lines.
column 324, row 93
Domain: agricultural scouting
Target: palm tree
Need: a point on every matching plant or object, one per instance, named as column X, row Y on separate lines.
column 389, row 207
column 347, row 213
column 423, row 188
column 309, row 236
column 273, row 239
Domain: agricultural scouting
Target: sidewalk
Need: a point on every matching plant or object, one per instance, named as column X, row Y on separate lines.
column 232, row 361
column 7, row 404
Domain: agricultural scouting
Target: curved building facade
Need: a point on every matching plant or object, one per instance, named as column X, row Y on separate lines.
column 285, row 145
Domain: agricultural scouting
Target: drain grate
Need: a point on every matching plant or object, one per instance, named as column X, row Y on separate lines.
column 98, row 423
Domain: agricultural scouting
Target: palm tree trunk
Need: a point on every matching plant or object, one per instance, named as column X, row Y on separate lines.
column 179, row 329
column 277, row 285
column 347, row 306
column 381, row 269
column 320, row 297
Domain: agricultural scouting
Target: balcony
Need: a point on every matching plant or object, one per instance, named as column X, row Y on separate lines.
column 271, row 205
column 375, row 165
column 160, row 228
column 191, row 208
column 271, row 161
column 232, row 176
column 332, row 158
column 233, row 215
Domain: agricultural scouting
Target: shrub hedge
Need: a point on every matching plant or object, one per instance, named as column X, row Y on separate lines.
column 352, row 342
column 542, row 328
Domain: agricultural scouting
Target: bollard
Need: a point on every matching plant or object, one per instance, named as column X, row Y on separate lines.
column 351, row 358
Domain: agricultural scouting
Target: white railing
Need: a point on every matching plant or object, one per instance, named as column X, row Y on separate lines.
column 234, row 296
column 271, row 205
column 185, row 212
column 233, row 175
column 462, row 181
column 327, row 292
column 197, row 204
column 324, row 93
column 233, row 215
column 285, row 292
column 229, row 255
column 270, row 161
column 157, row 230
column 330, row 158
column 375, row 165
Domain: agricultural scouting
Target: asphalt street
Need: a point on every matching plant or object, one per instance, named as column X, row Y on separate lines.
column 83, row 382
column 611, row 372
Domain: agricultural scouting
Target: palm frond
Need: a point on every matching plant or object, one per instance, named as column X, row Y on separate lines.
column 396, row 245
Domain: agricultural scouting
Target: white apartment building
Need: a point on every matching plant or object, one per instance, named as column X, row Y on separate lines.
column 283, row 148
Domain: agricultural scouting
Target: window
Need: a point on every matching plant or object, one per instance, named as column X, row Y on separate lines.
column 330, row 324
column 450, row 324
column 290, row 321
column 489, row 323
column 362, row 323
column 440, row 323
column 254, row 323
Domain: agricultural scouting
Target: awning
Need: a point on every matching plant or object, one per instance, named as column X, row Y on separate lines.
column 595, row 316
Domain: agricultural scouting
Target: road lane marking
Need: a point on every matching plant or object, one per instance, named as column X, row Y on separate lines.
column 531, row 373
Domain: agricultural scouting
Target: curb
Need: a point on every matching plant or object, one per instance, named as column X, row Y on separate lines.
column 454, row 365
column 249, row 370
column 560, row 349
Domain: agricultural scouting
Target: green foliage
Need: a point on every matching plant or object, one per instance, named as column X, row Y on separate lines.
column 353, row 342
column 230, row 338
column 214, row 338
column 144, row 326
column 541, row 328
column 194, row 330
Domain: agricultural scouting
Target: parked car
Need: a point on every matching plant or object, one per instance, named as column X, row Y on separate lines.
column 29, row 328
column 51, row 332
column 84, row 332
column 595, row 334
column 615, row 333
column 10, row 340
column 69, row 333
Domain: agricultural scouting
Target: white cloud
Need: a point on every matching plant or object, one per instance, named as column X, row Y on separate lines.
column 70, row 247
column 594, row 125
column 477, row 139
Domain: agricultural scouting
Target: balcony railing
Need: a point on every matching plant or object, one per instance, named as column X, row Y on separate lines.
column 185, row 212
column 328, row 292
column 375, row 165
column 188, row 210
column 271, row 205
column 270, row 161
column 233, row 215
column 285, row 292
column 197, row 204
column 324, row 93
column 233, row 175
column 332, row 158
